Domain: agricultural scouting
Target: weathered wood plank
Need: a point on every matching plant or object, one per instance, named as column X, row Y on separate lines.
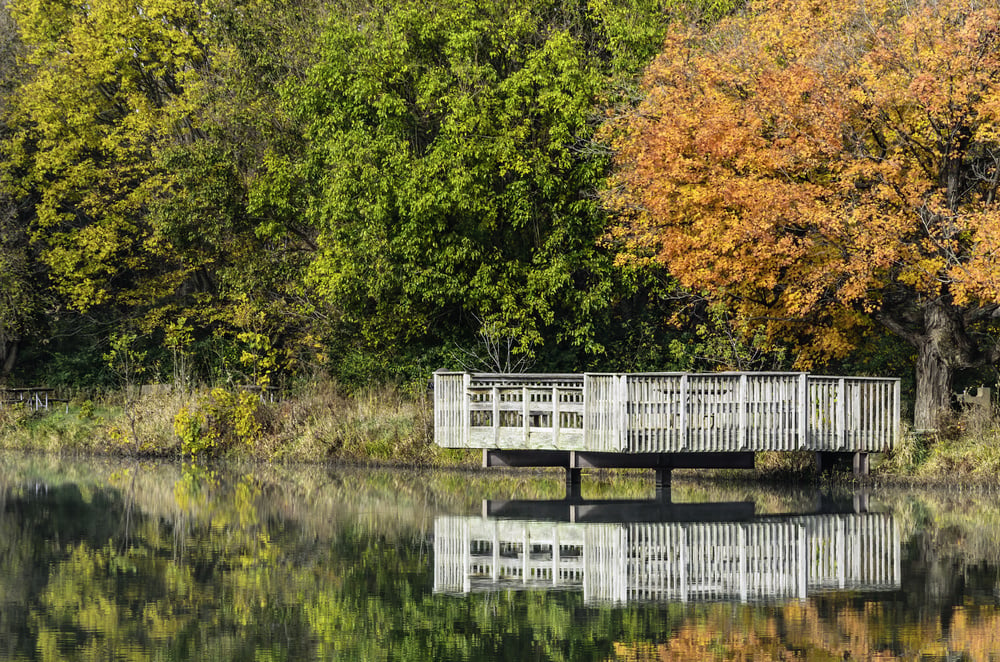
column 667, row 412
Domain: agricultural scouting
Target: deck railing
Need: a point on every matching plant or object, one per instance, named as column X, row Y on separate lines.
column 666, row 412
column 670, row 561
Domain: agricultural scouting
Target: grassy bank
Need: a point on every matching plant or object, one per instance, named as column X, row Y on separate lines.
column 320, row 422
column 966, row 450
column 317, row 423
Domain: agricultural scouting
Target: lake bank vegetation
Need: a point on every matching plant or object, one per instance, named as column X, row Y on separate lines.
column 331, row 199
column 393, row 426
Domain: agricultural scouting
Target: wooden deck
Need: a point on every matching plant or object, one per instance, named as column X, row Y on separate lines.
column 618, row 563
column 655, row 414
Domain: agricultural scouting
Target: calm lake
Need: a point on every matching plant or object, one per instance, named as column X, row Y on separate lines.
column 148, row 561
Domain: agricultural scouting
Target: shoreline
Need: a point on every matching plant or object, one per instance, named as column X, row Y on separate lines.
column 385, row 427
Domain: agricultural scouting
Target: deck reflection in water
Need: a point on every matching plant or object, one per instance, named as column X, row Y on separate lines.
column 667, row 553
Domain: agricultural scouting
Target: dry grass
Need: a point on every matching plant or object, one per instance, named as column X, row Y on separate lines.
column 966, row 447
column 319, row 422
column 381, row 424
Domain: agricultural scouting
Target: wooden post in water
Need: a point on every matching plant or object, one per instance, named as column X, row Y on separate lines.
column 573, row 480
column 663, row 484
column 861, row 463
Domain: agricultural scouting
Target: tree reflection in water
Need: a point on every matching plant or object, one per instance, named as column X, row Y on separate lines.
column 107, row 561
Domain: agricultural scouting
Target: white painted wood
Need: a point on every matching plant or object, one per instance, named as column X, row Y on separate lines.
column 466, row 407
column 841, row 413
column 744, row 414
column 495, row 401
column 685, row 405
column 802, row 412
column 666, row 412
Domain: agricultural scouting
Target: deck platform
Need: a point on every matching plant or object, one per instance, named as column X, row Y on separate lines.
column 663, row 421
column 32, row 398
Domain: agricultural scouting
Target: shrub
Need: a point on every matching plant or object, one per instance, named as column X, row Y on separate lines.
column 218, row 422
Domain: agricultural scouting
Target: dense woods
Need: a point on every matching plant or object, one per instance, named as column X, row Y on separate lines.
column 260, row 191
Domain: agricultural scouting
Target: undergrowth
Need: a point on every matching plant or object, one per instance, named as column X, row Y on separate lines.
column 966, row 444
column 317, row 422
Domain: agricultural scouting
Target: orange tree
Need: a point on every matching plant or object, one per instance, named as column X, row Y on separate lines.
column 827, row 167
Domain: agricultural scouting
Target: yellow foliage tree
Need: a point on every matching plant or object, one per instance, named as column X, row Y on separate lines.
column 103, row 94
column 825, row 167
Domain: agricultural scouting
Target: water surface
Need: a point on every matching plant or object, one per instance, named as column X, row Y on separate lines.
column 118, row 561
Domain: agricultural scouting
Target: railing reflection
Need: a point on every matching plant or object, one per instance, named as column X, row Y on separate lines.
column 746, row 559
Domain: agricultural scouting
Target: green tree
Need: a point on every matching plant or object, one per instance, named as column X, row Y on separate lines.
column 443, row 172
column 103, row 93
column 132, row 140
column 423, row 175
column 253, row 259
column 448, row 171
column 21, row 288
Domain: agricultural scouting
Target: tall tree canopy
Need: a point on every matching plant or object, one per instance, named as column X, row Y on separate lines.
column 19, row 292
column 444, row 173
column 825, row 166
column 213, row 173
column 132, row 133
column 106, row 77
column 449, row 173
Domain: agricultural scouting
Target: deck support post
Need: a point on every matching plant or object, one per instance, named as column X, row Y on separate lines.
column 861, row 463
column 824, row 462
column 663, row 484
column 573, row 480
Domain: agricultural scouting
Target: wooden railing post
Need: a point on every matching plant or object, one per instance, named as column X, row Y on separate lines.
column 743, row 413
column 496, row 415
column 466, row 408
column 555, row 416
column 841, row 413
column 526, row 413
column 439, row 409
column 684, row 431
column 895, row 413
column 621, row 411
column 803, row 410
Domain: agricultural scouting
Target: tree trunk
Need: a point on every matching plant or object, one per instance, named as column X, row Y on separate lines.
column 941, row 349
column 934, row 382
column 9, row 357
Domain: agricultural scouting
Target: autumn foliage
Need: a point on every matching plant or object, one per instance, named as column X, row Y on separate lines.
column 826, row 166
